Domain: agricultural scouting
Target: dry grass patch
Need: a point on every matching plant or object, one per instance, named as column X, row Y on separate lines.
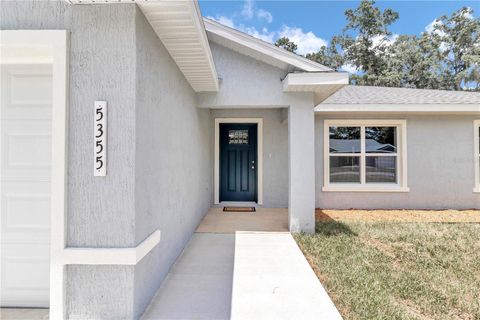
column 398, row 215
column 401, row 270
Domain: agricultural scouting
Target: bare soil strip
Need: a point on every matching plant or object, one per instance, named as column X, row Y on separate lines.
column 444, row 216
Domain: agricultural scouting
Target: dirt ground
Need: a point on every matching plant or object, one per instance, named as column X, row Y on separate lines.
column 398, row 215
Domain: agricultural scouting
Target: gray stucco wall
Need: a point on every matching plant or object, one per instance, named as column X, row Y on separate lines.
column 246, row 82
column 100, row 292
column 159, row 152
column 440, row 166
column 101, row 211
column 275, row 151
column 102, row 61
column 173, row 160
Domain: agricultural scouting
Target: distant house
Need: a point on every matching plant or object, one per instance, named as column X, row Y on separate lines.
column 124, row 121
column 353, row 146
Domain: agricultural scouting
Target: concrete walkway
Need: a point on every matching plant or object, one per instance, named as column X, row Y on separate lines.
column 273, row 280
column 199, row 286
column 23, row 314
column 241, row 275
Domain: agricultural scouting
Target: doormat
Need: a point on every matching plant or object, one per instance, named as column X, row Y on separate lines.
column 239, row 209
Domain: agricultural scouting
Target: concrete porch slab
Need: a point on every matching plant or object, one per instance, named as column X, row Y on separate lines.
column 263, row 220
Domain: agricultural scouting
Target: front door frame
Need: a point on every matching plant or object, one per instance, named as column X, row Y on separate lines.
column 216, row 180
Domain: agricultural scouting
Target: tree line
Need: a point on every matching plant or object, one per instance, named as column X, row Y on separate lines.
column 446, row 57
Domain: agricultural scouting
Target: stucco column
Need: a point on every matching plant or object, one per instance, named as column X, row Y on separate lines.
column 301, row 194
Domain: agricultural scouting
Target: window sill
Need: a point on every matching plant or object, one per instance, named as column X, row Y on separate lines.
column 331, row 188
column 476, row 190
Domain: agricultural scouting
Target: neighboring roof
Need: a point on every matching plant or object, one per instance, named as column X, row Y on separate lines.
column 349, row 146
column 179, row 26
column 385, row 95
column 259, row 49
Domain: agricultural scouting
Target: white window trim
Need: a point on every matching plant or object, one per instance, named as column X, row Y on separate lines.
column 216, row 180
column 476, row 148
column 401, row 186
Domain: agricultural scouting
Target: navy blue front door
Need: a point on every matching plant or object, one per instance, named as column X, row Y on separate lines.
column 238, row 162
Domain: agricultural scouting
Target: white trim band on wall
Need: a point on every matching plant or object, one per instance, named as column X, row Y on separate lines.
column 110, row 256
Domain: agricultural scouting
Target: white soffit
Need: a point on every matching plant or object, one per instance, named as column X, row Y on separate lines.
column 179, row 26
column 322, row 84
column 259, row 49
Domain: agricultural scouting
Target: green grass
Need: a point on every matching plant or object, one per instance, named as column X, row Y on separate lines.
column 398, row 270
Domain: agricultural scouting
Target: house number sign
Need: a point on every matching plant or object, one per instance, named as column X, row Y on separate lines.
column 100, row 138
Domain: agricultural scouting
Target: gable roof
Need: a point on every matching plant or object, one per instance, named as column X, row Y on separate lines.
column 385, row 95
column 185, row 35
column 259, row 49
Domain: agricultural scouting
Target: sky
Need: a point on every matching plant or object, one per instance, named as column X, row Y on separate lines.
column 311, row 24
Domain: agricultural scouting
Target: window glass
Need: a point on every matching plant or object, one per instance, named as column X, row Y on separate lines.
column 381, row 169
column 237, row 136
column 344, row 169
column 344, row 139
column 365, row 154
column 380, row 140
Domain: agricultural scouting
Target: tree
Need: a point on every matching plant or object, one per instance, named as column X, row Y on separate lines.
column 363, row 44
column 329, row 56
column 460, row 38
column 414, row 62
column 286, row 44
column 446, row 57
column 366, row 50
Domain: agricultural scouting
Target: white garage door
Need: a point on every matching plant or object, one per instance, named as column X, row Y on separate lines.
column 26, row 108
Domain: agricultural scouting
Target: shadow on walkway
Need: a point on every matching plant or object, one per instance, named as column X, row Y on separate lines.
column 199, row 286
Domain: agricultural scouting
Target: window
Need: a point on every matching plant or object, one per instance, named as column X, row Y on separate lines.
column 476, row 141
column 237, row 136
column 365, row 155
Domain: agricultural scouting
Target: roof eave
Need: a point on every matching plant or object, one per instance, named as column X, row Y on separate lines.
column 262, row 47
column 322, row 84
column 199, row 72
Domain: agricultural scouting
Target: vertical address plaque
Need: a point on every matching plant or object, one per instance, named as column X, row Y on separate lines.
column 100, row 134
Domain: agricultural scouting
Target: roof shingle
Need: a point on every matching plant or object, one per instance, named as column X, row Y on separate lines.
column 386, row 95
